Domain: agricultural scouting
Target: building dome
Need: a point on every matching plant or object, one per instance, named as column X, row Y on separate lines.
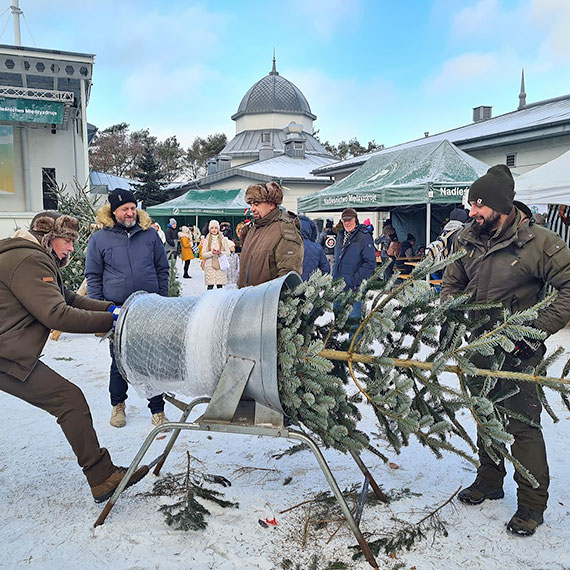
column 274, row 94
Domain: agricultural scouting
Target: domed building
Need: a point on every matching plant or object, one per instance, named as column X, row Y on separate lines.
column 273, row 141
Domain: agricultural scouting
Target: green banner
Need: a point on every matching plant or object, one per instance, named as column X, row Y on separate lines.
column 30, row 111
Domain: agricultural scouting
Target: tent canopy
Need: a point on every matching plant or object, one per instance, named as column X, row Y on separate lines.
column 198, row 202
column 547, row 184
column 433, row 173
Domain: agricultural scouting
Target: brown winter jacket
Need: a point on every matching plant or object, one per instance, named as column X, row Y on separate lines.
column 512, row 266
column 272, row 247
column 33, row 300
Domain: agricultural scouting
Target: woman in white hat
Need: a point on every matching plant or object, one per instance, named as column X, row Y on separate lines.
column 215, row 252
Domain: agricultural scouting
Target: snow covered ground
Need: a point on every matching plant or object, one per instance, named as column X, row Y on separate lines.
column 47, row 512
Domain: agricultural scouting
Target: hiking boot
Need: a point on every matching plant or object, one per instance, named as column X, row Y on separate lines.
column 525, row 521
column 476, row 493
column 118, row 416
column 105, row 490
column 159, row 418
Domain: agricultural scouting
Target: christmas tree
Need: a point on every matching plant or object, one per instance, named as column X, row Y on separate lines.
column 393, row 360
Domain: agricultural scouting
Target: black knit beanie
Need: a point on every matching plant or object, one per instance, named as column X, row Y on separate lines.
column 120, row 196
column 496, row 189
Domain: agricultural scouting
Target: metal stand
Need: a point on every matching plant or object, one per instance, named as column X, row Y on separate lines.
column 226, row 413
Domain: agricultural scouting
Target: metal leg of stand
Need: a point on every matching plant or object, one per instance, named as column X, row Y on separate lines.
column 377, row 491
column 338, row 494
column 135, row 463
column 176, row 432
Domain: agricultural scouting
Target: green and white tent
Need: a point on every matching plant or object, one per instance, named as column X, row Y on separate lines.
column 432, row 173
column 203, row 202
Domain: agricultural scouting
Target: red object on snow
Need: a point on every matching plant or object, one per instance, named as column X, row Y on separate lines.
column 272, row 521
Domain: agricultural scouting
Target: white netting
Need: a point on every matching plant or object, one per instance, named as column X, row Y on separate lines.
column 176, row 344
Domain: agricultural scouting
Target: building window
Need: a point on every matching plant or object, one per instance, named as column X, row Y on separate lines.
column 511, row 162
column 266, row 138
column 298, row 149
column 48, row 185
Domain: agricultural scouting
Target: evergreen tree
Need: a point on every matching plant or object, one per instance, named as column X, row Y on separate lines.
column 326, row 365
column 150, row 192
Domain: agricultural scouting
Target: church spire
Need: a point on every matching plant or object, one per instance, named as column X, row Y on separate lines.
column 274, row 69
column 522, row 94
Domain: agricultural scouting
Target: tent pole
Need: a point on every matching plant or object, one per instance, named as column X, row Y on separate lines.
column 428, row 230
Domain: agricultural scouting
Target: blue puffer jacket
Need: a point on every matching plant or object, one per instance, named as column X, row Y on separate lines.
column 355, row 261
column 118, row 262
column 314, row 257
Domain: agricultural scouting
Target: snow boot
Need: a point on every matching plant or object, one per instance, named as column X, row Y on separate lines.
column 159, row 418
column 103, row 491
column 118, row 416
column 525, row 521
column 476, row 493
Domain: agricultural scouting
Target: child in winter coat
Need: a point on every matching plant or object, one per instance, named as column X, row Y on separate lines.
column 233, row 269
column 187, row 254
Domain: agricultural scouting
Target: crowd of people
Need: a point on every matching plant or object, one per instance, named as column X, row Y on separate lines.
column 509, row 260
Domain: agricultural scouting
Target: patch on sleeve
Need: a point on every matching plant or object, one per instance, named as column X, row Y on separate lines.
column 47, row 279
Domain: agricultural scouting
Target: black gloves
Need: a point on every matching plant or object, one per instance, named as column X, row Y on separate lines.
column 526, row 349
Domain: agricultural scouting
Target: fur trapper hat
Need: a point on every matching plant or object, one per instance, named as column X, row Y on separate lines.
column 496, row 189
column 270, row 192
column 51, row 224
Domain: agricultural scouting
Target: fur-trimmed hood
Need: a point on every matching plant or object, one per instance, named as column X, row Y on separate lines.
column 105, row 218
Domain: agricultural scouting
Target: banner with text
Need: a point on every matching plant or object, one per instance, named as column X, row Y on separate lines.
column 30, row 111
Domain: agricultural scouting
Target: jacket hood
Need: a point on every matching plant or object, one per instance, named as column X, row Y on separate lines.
column 308, row 228
column 105, row 218
column 22, row 239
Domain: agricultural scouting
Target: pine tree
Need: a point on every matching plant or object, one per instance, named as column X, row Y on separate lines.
column 150, row 192
column 327, row 365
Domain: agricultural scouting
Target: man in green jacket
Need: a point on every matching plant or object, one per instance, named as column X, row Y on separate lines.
column 510, row 259
column 33, row 300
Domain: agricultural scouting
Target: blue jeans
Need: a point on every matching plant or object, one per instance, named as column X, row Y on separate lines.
column 118, row 387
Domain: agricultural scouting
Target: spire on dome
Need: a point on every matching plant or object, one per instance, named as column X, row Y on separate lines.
column 522, row 94
column 274, row 69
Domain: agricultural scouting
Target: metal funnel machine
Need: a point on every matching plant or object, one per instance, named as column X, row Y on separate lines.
column 222, row 345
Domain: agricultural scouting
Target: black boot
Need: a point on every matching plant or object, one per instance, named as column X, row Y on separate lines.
column 476, row 493
column 525, row 521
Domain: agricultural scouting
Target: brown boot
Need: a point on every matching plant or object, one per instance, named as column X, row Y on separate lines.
column 118, row 416
column 103, row 491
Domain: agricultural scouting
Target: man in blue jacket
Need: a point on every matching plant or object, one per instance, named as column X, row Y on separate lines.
column 355, row 254
column 124, row 257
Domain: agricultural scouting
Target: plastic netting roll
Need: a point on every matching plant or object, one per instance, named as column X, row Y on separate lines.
column 175, row 344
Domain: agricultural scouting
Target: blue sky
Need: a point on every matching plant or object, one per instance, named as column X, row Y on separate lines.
column 371, row 69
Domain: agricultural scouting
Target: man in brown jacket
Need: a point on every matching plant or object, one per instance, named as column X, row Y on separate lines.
column 272, row 244
column 33, row 300
column 510, row 260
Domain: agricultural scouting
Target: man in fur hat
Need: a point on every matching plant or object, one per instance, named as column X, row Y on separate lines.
column 272, row 243
column 33, row 300
column 124, row 257
column 510, row 259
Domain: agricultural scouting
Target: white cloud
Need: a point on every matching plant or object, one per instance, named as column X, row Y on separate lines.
column 553, row 17
column 329, row 16
column 461, row 70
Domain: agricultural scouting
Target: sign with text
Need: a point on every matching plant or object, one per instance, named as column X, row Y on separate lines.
column 30, row 111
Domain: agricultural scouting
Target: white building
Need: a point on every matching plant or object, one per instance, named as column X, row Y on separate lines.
column 43, row 129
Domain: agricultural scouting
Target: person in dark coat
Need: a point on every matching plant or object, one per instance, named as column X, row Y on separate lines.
column 327, row 240
column 355, row 255
column 314, row 256
column 124, row 257
column 171, row 234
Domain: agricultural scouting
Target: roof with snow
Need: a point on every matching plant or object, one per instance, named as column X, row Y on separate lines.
column 249, row 142
column 102, row 183
column 533, row 121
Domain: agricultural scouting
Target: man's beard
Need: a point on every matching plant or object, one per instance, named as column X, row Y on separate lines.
column 488, row 225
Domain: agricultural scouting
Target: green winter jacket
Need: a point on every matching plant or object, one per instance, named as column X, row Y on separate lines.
column 33, row 301
column 513, row 266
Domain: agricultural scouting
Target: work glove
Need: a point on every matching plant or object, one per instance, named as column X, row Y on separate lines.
column 115, row 310
column 526, row 348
